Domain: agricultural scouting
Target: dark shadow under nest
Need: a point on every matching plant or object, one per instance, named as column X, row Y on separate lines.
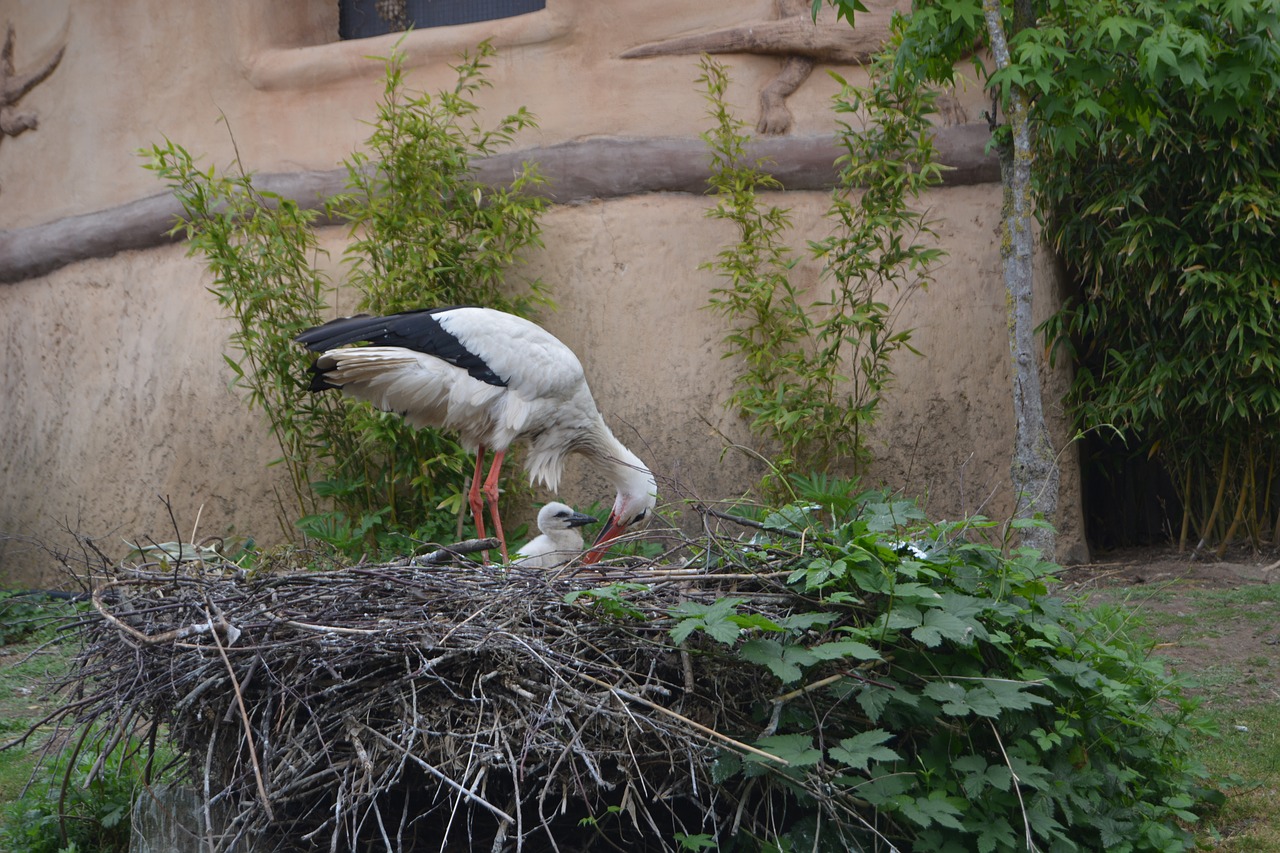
column 408, row 707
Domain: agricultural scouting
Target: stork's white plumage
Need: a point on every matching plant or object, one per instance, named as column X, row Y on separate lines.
column 561, row 539
column 494, row 379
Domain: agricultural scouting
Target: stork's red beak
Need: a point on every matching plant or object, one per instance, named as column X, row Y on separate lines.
column 612, row 528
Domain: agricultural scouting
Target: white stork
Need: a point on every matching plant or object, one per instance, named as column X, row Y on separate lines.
column 561, row 540
column 494, row 379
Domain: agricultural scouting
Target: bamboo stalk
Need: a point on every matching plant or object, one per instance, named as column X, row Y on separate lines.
column 1187, row 509
column 1207, row 530
column 1265, row 514
column 1246, row 488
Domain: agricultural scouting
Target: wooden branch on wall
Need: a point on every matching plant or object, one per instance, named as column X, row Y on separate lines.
column 14, row 85
column 600, row 168
column 826, row 40
column 797, row 37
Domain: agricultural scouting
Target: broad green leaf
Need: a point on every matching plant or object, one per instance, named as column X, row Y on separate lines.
column 837, row 649
column 936, row 808
column 796, row 750
column 784, row 661
column 861, row 749
column 938, row 625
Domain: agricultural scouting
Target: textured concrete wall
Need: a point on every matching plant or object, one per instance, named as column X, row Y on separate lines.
column 113, row 393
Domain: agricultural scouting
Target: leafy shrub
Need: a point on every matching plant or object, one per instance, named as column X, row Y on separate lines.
column 936, row 696
column 814, row 368
column 82, row 802
column 1160, row 195
column 424, row 233
column 32, row 616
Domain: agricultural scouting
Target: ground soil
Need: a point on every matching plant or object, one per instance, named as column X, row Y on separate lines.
column 1215, row 621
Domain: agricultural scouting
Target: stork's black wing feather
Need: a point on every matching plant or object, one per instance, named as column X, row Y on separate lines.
column 419, row 331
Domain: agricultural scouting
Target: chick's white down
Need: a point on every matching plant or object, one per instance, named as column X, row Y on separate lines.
column 493, row 379
column 561, row 538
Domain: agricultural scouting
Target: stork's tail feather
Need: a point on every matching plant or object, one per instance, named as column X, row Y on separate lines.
column 320, row 379
column 340, row 332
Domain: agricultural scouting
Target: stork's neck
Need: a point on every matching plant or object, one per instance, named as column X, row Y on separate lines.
column 624, row 470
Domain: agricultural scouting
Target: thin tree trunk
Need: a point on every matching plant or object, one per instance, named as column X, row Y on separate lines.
column 1035, row 467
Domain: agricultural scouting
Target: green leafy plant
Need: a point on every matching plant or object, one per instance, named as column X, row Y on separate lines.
column 82, row 801
column 935, row 695
column 814, row 370
column 1161, row 199
column 424, row 232
column 30, row 617
column 1148, row 134
column 768, row 323
column 262, row 251
column 609, row 601
column 422, row 224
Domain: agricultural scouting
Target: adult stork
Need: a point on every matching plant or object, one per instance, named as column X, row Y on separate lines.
column 494, row 379
column 560, row 539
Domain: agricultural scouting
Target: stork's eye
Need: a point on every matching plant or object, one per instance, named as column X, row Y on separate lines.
column 641, row 516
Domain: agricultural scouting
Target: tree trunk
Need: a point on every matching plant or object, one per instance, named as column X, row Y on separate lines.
column 1035, row 467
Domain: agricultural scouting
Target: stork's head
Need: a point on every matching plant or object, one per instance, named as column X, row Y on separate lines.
column 557, row 516
column 629, row 508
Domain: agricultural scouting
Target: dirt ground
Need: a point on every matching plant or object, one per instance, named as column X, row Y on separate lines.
column 1217, row 622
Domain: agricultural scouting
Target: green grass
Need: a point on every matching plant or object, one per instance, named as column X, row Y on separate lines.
column 1247, row 753
column 1251, row 602
column 1221, row 642
column 27, row 664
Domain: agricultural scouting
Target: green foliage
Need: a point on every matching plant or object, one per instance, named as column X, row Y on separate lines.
column 1162, row 199
column 421, row 223
column 262, row 251
column 424, row 233
column 701, row 841
column 29, row 617
column 610, row 601
column 1156, row 173
column 769, row 325
column 814, row 370
column 936, row 696
column 80, row 803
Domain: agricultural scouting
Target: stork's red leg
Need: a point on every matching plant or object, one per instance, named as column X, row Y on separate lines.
column 491, row 493
column 474, row 499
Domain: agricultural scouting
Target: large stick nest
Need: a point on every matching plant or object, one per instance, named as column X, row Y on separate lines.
column 402, row 706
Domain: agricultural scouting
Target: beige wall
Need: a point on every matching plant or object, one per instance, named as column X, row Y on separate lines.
column 113, row 388
column 146, row 69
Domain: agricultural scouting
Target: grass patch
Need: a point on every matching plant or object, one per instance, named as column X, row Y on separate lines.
column 1222, row 643
column 30, row 657
column 1247, row 754
column 1247, row 601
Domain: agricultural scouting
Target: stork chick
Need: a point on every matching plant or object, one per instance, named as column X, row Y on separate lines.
column 561, row 540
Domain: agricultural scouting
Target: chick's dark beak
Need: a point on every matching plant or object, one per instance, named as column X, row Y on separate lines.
column 579, row 519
